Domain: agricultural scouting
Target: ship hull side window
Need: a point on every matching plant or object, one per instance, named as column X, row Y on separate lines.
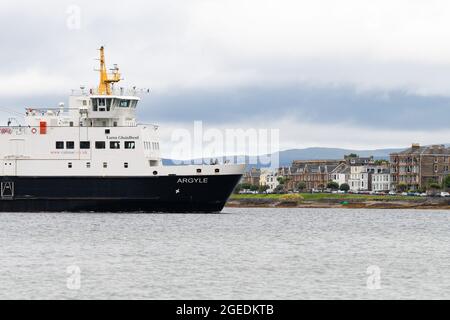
column 59, row 144
column 130, row 144
column 114, row 144
column 85, row 144
column 70, row 145
column 100, row 145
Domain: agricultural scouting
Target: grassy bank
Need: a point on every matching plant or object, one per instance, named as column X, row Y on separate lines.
column 325, row 196
column 329, row 200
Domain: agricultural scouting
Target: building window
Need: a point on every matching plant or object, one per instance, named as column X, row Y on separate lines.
column 125, row 164
column 130, row 144
column 105, row 164
column 100, row 145
column 59, row 145
column 69, row 165
column 85, row 144
column 114, row 144
column 70, row 145
column 88, row 164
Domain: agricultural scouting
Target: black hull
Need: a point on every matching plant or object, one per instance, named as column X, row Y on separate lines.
column 116, row 194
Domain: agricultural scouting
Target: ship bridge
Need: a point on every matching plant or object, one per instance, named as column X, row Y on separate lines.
column 104, row 106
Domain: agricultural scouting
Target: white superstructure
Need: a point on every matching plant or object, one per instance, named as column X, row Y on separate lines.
column 96, row 134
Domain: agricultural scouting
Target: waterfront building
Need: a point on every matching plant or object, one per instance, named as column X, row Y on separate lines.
column 269, row 178
column 341, row 174
column 419, row 166
column 252, row 176
column 381, row 180
column 315, row 174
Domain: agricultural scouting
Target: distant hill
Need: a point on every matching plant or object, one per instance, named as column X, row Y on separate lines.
column 287, row 156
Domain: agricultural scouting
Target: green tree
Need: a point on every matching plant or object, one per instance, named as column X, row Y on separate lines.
column 434, row 186
column 381, row 162
column 352, row 155
column 263, row 189
column 333, row 185
column 254, row 187
column 446, row 182
column 402, row 187
column 279, row 189
column 344, row 187
column 246, row 186
column 301, row 186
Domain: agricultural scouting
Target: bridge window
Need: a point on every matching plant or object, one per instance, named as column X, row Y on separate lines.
column 59, row 144
column 70, row 145
column 94, row 105
column 85, row 144
column 100, row 145
column 130, row 144
column 114, row 144
column 124, row 103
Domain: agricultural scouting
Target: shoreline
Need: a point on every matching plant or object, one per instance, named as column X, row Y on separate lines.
column 336, row 201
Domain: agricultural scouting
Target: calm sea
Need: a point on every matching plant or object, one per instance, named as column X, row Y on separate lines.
column 239, row 254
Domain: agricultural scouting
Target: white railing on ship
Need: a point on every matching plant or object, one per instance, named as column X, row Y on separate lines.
column 114, row 92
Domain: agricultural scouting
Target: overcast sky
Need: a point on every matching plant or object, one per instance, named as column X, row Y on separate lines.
column 350, row 73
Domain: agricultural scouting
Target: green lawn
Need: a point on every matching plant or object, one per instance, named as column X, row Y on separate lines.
column 319, row 196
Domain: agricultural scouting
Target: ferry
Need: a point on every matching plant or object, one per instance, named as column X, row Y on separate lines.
column 93, row 156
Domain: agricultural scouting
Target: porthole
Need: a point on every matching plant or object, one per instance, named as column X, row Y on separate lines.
column 155, row 173
column 216, row 170
column 199, row 170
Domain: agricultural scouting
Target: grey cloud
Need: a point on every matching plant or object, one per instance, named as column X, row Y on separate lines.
column 333, row 105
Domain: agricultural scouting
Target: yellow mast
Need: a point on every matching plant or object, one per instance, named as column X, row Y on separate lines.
column 106, row 79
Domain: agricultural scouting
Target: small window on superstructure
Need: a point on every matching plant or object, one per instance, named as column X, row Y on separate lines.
column 84, row 103
column 105, row 164
column 59, row 144
column 100, row 144
column 114, row 144
column 88, row 164
column 71, row 123
column 115, row 123
column 107, row 131
column 85, row 144
column 125, row 164
column 69, row 165
column 130, row 144
column 70, row 145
